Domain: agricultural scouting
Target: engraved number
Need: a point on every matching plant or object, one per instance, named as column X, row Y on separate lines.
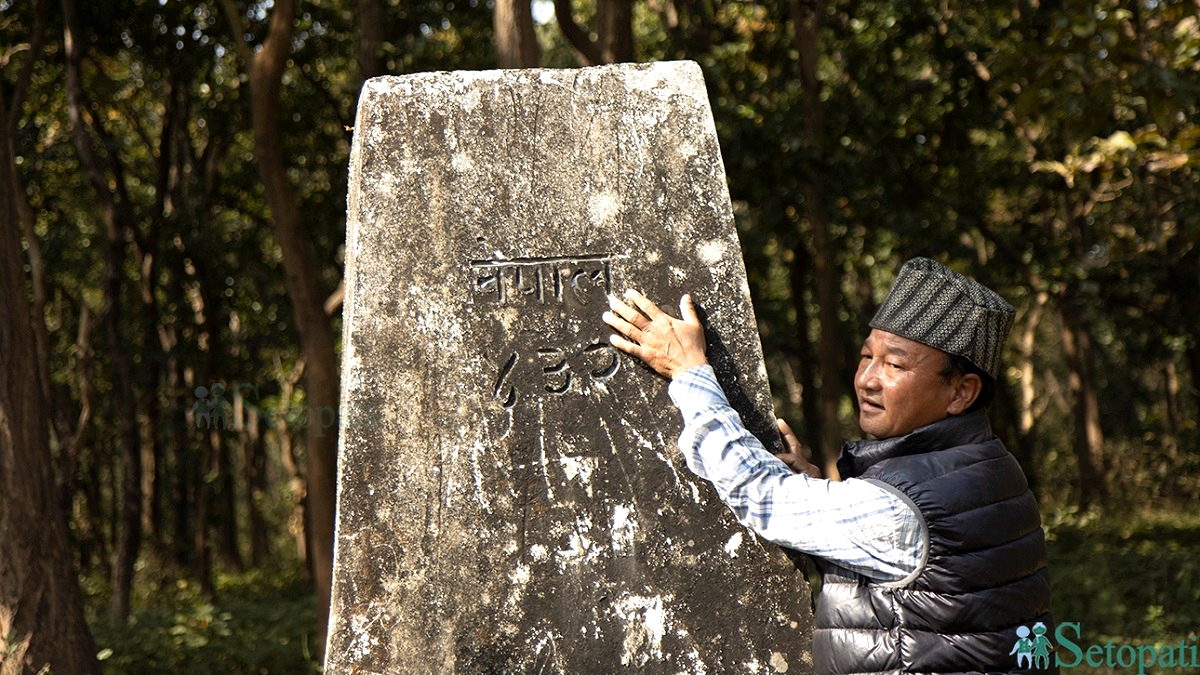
column 604, row 360
column 505, row 392
column 558, row 370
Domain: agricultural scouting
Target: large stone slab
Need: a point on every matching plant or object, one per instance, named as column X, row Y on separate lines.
column 511, row 498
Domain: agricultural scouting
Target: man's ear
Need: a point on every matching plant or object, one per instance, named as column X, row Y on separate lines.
column 966, row 390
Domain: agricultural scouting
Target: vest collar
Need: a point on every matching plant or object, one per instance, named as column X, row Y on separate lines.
column 953, row 431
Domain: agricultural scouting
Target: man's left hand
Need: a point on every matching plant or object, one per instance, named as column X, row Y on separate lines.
column 793, row 454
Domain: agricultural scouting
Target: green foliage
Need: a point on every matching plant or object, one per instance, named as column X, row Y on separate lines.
column 1041, row 148
column 261, row 622
column 1134, row 578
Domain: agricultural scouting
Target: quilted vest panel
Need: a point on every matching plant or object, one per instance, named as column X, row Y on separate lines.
column 985, row 574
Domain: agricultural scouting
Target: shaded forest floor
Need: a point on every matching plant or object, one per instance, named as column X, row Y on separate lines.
column 1130, row 580
column 260, row 621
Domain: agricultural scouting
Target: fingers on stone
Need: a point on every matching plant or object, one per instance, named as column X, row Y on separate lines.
column 631, row 315
column 643, row 304
column 617, row 318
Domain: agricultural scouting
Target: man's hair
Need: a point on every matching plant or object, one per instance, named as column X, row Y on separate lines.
column 959, row 365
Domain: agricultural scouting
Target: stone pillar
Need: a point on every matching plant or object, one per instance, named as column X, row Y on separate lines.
column 511, row 498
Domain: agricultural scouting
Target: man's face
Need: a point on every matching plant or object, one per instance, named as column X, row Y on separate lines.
column 899, row 387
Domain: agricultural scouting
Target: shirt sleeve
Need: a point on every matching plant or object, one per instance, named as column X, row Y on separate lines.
column 854, row 523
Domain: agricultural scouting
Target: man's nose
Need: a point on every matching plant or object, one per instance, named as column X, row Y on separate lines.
column 866, row 378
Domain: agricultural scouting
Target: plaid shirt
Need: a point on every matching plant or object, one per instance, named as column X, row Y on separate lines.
column 857, row 524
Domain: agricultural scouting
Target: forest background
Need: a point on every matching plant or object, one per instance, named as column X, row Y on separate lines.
column 172, row 211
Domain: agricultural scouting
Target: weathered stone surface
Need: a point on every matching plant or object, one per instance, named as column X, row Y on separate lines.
column 511, row 498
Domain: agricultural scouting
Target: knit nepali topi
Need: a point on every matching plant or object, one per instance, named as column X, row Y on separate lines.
column 936, row 306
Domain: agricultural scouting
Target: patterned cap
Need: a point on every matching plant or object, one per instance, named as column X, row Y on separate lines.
column 936, row 306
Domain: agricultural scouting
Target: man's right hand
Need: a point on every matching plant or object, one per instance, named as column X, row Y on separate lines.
column 668, row 345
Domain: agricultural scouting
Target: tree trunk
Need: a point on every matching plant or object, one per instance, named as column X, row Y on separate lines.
column 255, row 460
column 183, row 466
column 130, row 526
column 1192, row 356
column 150, row 450
column 830, row 343
column 74, row 445
column 93, row 541
column 298, row 521
column 1182, row 274
column 810, row 401
column 226, row 503
column 321, row 383
column 201, row 549
column 42, row 628
column 168, row 165
column 614, row 25
column 37, row 263
column 1028, row 340
column 1024, row 415
column 1089, row 438
column 1171, row 424
column 372, row 32
column 212, row 419
column 516, row 42
column 187, row 464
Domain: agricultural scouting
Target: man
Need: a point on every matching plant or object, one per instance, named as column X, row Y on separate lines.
column 932, row 549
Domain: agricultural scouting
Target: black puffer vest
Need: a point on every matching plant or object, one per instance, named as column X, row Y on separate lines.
column 984, row 574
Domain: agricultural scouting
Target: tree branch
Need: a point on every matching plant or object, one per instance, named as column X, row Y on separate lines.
column 587, row 51
column 237, row 29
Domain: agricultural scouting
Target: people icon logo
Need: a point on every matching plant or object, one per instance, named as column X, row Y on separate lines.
column 1032, row 652
column 214, row 412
